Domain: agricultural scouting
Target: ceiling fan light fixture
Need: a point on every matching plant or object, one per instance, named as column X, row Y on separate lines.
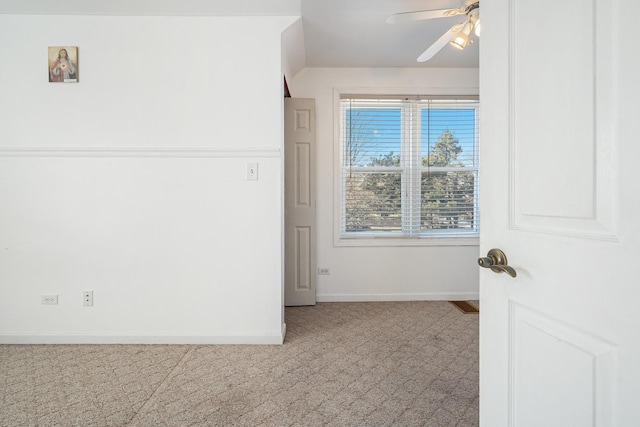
column 459, row 35
column 477, row 28
column 461, row 39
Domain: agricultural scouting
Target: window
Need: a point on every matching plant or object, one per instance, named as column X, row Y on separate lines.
column 409, row 167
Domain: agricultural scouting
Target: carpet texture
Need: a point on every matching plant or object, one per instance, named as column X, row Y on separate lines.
column 342, row 364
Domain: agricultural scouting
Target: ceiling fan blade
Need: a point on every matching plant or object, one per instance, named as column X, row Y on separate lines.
column 421, row 15
column 439, row 44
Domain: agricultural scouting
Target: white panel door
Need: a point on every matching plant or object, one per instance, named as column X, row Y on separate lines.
column 300, row 202
column 560, row 191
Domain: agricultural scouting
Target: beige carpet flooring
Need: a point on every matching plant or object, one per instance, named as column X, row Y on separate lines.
column 342, row 364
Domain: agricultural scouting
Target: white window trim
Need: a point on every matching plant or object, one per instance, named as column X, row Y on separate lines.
column 371, row 240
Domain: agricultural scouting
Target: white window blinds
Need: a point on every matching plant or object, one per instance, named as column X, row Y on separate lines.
column 409, row 167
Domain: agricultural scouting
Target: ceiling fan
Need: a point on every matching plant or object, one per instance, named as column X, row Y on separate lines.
column 457, row 36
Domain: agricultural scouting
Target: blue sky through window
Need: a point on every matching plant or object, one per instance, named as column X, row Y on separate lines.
column 373, row 133
column 376, row 132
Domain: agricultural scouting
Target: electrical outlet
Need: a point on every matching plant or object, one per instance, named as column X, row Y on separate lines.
column 87, row 298
column 49, row 299
column 324, row 271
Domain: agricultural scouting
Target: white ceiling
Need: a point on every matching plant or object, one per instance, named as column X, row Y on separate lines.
column 153, row 7
column 337, row 33
column 353, row 33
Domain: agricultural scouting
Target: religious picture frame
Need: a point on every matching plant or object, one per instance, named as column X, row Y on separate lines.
column 63, row 64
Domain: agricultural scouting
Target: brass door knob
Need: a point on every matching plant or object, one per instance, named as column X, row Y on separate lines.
column 496, row 260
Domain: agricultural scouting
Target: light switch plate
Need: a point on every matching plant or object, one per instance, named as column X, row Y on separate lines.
column 252, row 171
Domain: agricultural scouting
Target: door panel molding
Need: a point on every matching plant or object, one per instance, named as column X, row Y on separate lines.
column 543, row 196
column 302, row 261
column 569, row 372
column 303, row 175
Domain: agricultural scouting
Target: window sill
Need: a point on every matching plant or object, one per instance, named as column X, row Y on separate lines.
column 382, row 241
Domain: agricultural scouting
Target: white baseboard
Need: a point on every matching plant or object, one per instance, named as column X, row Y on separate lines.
column 448, row 296
column 267, row 338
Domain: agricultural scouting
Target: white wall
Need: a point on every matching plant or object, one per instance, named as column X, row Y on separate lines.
column 381, row 273
column 293, row 54
column 132, row 182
